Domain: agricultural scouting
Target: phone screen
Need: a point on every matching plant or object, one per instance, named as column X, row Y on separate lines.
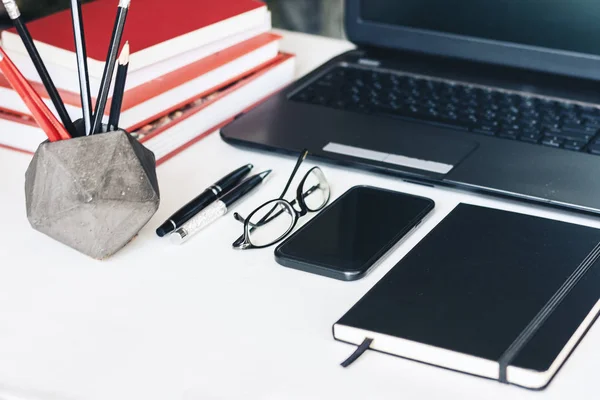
column 350, row 235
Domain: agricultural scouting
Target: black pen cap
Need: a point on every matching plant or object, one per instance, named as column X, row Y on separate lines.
column 244, row 188
column 230, row 181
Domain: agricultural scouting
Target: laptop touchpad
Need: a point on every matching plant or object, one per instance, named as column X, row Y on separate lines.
column 419, row 147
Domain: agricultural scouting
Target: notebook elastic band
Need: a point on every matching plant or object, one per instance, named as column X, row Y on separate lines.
column 536, row 323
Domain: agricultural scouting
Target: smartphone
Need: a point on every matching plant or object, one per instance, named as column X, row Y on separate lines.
column 346, row 239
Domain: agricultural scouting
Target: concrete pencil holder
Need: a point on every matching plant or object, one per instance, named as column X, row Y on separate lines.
column 92, row 193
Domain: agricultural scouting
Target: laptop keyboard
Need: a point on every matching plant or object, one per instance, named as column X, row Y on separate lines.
column 484, row 111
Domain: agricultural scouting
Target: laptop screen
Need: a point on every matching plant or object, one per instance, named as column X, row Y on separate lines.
column 568, row 25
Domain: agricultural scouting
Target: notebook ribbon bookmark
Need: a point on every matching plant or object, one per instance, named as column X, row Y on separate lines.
column 364, row 346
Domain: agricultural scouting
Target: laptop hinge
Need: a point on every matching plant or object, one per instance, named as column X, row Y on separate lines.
column 368, row 62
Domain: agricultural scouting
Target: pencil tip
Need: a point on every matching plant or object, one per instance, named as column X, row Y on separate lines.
column 11, row 9
column 124, row 57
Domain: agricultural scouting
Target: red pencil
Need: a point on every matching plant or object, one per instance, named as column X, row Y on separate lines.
column 41, row 113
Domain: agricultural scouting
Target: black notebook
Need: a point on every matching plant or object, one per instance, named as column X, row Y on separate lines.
column 492, row 293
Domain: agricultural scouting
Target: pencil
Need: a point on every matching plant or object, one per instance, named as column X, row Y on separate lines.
column 15, row 15
column 117, row 98
column 82, row 67
column 41, row 113
column 109, row 68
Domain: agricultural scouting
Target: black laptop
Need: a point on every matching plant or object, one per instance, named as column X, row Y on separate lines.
column 501, row 97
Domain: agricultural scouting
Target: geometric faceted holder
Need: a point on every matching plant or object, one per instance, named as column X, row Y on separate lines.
column 92, row 193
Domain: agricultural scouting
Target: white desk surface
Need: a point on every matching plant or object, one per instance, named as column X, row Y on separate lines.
column 205, row 322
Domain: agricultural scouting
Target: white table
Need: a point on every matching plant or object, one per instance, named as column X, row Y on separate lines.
column 205, row 322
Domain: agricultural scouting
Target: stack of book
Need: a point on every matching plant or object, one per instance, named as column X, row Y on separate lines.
column 194, row 66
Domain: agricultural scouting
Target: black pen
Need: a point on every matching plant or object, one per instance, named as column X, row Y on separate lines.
column 203, row 200
column 217, row 209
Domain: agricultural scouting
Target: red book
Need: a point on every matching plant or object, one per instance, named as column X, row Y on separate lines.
column 170, row 91
column 182, row 128
column 156, row 30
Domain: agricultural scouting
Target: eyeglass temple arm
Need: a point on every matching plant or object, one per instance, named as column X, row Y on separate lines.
column 302, row 157
column 263, row 221
column 241, row 219
column 238, row 217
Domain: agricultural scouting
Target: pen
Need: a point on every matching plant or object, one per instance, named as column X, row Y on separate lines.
column 202, row 201
column 216, row 209
column 82, row 67
column 15, row 15
column 109, row 67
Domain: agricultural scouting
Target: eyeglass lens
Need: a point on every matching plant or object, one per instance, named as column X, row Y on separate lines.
column 270, row 222
column 315, row 190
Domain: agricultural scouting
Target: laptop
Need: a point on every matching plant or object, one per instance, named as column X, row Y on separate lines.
column 498, row 97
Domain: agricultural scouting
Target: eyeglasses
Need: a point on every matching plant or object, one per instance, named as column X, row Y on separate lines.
column 275, row 219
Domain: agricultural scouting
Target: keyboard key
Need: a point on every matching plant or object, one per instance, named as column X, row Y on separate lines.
column 591, row 129
column 467, row 119
column 532, row 123
column 548, row 119
column 578, row 130
column 573, row 145
column 526, row 130
column 512, row 127
column 486, row 129
column 574, row 122
column 568, row 135
column 552, row 141
column 508, row 119
column 531, row 137
column 508, row 134
column 449, row 115
column 594, row 149
column 530, row 115
column 592, row 124
column 590, row 116
column 551, row 127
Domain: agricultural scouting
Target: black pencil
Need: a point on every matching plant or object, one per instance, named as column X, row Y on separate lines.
column 15, row 15
column 117, row 99
column 82, row 67
column 109, row 68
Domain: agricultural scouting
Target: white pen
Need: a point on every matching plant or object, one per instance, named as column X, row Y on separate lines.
column 216, row 209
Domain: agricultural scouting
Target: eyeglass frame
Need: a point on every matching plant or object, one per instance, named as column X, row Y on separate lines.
column 244, row 242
